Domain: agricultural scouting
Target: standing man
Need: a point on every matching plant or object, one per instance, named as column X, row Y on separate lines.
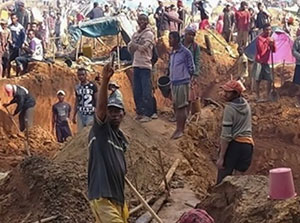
column 57, row 30
column 5, row 40
column 107, row 164
column 85, row 101
column 181, row 69
column 97, row 12
column 228, row 23
column 265, row 47
column 182, row 15
column 296, row 54
column 22, row 15
column 18, row 38
column 262, row 17
column 61, row 112
column 189, row 42
column 141, row 47
column 242, row 19
column 236, row 138
column 34, row 52
column 159, row 14
column 25, row 104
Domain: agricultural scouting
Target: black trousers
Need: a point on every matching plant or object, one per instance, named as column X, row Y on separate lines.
column 238, row 157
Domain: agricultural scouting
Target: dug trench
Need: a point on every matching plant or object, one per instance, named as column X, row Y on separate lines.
column 53, row 182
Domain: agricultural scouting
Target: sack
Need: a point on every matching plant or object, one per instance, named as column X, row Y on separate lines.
column 196, row 216
column 154, row 58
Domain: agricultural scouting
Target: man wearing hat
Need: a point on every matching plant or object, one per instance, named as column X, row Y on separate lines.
column 61, row 112
column 114, row 88
column 25, row 104
column 236, row 143
column 107, row 164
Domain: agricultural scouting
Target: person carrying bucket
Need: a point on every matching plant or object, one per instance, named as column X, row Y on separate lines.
column 181, row 69
column 236, row 142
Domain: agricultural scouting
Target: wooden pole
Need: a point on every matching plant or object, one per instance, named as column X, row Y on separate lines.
column 142, row 200
column 169, row 174
column 118, row 51
column 163, row 172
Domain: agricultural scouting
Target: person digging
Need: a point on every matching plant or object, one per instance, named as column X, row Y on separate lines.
column 25, row 104
column 236, row 137
column 107, row 164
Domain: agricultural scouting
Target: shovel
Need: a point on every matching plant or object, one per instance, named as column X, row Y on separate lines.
column 274, row 95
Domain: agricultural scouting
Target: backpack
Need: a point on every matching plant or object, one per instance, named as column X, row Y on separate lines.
column 154, row 58
column 196, row 216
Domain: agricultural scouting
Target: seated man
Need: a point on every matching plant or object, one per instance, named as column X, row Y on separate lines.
column 34, row 52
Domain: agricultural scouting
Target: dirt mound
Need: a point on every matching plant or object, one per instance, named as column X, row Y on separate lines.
column 245, row 199
column 199, row 148
column 40, row 188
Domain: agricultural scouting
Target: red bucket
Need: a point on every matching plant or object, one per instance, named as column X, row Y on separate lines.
column 281, row 184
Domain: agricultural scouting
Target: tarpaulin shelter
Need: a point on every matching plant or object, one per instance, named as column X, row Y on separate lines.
column 104, row 26
column 284, row 46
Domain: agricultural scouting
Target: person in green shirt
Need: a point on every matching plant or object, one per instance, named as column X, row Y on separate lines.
column 189, row 42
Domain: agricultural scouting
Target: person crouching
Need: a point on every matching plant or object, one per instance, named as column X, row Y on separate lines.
column 236, row 138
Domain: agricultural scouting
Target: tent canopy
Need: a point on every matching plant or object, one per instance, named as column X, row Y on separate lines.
column 104, row 27
column 284, row 46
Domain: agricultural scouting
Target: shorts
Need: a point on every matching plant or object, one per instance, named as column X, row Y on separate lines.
column 26, row 118
column 180, row 95
column 84, row 121
column 296, row 79
column 63, row 131
column 262, row 72
column 238, row 157
column 106, row 211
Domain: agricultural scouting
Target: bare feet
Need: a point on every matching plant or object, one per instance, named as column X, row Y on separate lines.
column 177, row 134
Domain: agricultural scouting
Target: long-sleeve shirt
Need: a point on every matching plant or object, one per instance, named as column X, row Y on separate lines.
column 263, row 49
column 141, row 47
column 23, row 99
column 242, row 19
column 296, row 50
column 17, row 34
column 195, row 50
column 23, row 18
column 181, row 66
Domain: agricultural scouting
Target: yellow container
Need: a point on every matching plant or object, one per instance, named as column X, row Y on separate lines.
column 87, row 51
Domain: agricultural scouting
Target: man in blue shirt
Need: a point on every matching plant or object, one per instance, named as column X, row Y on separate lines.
column 181, row 68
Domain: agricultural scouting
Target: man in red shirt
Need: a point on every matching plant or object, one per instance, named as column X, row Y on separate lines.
column 242, row 20
column 265, row 46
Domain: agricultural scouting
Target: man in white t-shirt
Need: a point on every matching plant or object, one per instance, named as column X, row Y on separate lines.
column 34, row 52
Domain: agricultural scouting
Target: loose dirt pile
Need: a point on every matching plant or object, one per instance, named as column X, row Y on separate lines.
column 58, row 187
column 245, row 199
column 40, row 188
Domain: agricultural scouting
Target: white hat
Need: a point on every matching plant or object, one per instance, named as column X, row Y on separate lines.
column 61, row 92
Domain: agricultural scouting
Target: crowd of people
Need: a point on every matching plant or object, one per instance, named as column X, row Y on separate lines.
column 95, row 107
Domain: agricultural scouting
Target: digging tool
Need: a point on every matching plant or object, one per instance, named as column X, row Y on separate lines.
column 163, row 172
column 27, row 133
column 227, row 47
column 142, row 200
column 274, row 95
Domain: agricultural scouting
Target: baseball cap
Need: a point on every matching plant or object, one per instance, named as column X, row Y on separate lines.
column 9, row 89
column 61, row 92
column 115, row 101
column 234, row 86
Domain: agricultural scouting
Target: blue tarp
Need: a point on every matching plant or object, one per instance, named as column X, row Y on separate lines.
column 96, row 28
column 104, row 27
